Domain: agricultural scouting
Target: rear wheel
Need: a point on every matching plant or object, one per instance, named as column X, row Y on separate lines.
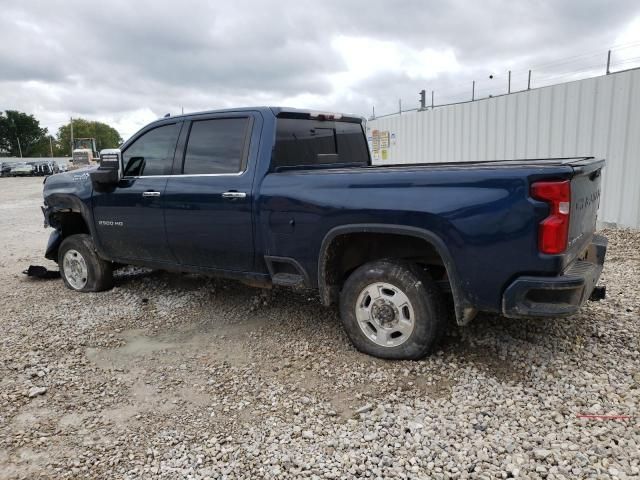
column 391, row 309
column 80, row 266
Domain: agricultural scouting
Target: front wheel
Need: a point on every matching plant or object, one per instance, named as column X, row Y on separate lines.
column 80, row 266
column 391, row 309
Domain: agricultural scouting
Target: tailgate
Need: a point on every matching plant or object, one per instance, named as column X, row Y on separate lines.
column 585, row 199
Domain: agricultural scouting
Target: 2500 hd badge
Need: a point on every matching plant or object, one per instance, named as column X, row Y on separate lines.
column 110, row 223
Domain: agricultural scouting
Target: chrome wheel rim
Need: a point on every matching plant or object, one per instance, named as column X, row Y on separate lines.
column 75, row 269
column 385, row 314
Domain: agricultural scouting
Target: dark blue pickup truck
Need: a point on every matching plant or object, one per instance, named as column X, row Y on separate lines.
column 275, row 196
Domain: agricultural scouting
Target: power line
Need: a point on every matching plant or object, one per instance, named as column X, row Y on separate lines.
column 543, row 74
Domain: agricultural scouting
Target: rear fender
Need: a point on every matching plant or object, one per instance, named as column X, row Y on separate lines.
column 465, row 311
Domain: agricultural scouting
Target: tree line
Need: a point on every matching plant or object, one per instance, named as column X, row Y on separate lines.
column 22, row 136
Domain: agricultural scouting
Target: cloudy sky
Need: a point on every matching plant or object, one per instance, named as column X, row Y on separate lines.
column 128, row 62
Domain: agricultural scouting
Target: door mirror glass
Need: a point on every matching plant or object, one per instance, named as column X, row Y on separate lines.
column 109, row 171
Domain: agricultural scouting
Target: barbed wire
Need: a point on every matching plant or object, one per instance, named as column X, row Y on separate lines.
column 542, row 75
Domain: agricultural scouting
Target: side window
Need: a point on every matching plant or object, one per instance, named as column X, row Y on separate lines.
column 301, row 142
column 152, row 153
column 216, row 146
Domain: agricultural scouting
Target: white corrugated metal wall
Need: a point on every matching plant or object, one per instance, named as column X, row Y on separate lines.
column 593, row 117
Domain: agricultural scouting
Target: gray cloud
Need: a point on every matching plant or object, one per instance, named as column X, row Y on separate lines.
column 112, row 60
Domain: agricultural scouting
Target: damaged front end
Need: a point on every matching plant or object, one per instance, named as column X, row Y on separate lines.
column 65, row 207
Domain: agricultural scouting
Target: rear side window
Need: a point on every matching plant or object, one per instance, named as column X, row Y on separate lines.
column 152, row 153
column 301, row 142
column 216, row 146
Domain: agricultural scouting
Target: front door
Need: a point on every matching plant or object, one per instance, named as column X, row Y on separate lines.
column 208, row 202
column 130, row 219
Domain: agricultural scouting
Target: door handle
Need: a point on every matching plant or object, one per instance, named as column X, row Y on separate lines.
column 150, row 194
column 234, row 195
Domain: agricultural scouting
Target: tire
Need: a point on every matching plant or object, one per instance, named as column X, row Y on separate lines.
column 83, row 270
column 391, row 309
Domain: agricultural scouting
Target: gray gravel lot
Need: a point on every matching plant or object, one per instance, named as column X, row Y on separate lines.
column 180, row 376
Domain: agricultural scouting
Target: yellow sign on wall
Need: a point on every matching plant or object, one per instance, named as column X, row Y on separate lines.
column 380, row 144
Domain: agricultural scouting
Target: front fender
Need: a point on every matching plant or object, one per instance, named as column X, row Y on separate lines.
column 70, row 192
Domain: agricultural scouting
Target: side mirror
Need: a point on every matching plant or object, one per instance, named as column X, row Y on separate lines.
column 109, row 172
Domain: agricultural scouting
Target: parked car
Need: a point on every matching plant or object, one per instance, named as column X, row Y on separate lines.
column 275, row 196
column 5, row 169
column 22, row 170
column 46, row 168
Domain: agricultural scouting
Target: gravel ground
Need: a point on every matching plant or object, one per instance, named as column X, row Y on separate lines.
column 179, row 376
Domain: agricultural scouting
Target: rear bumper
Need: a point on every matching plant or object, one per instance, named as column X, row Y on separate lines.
column 563, row 295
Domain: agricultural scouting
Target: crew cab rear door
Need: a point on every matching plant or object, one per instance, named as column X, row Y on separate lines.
column 208, row 200
column 129, row 219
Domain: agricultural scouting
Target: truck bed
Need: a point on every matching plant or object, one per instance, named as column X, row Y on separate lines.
column 483, row 209
column 577, row 163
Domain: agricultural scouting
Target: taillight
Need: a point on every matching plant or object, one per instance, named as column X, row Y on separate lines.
column 553, row 233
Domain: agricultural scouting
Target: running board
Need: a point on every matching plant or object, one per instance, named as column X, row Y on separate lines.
column 288, row 279
column 287, row 272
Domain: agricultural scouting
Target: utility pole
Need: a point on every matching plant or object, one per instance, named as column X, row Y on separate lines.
column 608, row 62
column 50, row 146
column 15, row 131
column 423, row 99
column 71, row 123
column 431, row 99
column 509, row 85
column 400, row 106
column 529, row 81
column 473, row 91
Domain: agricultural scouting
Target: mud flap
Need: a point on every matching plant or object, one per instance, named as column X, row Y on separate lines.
column 55, row 239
